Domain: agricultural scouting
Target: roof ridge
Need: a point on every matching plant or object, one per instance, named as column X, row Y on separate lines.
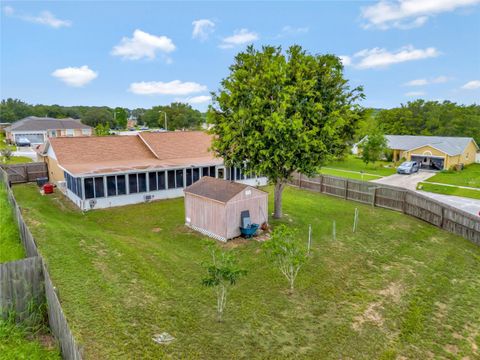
column 144, row 141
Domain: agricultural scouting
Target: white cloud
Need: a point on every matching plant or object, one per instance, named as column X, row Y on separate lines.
column 75, row 76
column 406, row 14
column 202, row 29
column 175, row 87
column 291, row 31
column 421, row 82
column 346, row 60
column 415, row 93
column 44, row 18
column 201, row 99
column 143, row 45
column 417, row 82
column 472, row 85
column 239, row 37
column 8, row 10
column 378, row 57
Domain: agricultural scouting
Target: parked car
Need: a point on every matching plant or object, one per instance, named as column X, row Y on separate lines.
column 408, row 167
column 22, row 141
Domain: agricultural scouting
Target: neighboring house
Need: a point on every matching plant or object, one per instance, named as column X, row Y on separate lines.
column 214, row 206
column 131, row 123
column 101, row 172
column 37, row 129
column 432, row 152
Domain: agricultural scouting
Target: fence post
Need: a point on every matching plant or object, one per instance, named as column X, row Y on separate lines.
column 300, row 181
column 374, row 196
column 442, row 216
column 404, row 202
column 321, row 183
column 346, row 189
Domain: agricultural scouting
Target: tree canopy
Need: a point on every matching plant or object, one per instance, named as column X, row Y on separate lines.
column 277, row 113
column 179, row 116
column 422, row 117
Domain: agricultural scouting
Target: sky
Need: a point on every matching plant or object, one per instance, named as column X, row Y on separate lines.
column 145, row 53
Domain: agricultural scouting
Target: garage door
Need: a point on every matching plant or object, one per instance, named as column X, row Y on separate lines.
column 429, row 162
column 34, row 138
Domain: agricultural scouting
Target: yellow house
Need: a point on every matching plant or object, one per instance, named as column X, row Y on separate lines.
column 433, row 152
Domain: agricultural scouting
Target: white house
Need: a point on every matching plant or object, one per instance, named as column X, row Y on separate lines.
column 101, row 172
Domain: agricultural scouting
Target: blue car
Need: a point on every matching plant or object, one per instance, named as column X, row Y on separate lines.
column 408, row 167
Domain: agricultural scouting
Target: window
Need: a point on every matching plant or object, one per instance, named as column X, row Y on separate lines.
column 171, row 179
column 89, row 192
column 212, row 171
column 79, row 188
column 161, row 180
column 142, row 182
column 188, row 175
column 121, row 188
column 69, row 132
column 179, row 178
column 196, row 174
column 238, row 174
column 86, row 132
column 221, row 173
column 152, row 181
column 99, row 187
column 205, row 171
column 111, row 186
column 132, row 183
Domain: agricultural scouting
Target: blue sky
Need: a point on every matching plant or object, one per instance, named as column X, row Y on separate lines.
column 140, row 54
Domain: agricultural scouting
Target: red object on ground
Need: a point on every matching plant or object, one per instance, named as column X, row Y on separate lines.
column 48, row 188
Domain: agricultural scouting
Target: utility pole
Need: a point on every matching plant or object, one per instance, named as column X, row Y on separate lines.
column 160, row 111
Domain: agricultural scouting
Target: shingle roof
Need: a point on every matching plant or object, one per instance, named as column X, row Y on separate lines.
column 449, row 145
column 108, row 154
column 34, row 123
column 216, row 189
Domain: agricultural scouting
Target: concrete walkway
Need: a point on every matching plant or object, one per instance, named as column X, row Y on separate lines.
column 410, row 182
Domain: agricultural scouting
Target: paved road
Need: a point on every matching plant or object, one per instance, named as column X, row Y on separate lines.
column 410, row 182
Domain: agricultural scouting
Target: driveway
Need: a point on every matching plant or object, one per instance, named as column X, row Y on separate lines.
column 405, row 181
column 25, row 151
column 410, row 182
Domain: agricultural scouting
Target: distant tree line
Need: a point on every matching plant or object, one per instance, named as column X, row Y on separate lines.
column 179, row 115
column 422, row 117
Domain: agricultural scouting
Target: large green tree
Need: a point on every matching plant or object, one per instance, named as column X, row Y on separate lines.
column 276, row 114
column 179, row 116
column 121, row 117
column 98, row 115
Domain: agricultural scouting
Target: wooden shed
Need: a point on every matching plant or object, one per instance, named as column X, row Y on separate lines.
column 213, row 206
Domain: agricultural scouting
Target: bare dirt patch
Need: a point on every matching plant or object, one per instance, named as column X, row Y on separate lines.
column 156, row 230
column 394, row 291
column 452, row 349
column 236, row 242
column 371, row 315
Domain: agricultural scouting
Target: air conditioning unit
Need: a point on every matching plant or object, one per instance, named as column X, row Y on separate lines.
column 92, row 203
column 62, row 185
column 148, row 198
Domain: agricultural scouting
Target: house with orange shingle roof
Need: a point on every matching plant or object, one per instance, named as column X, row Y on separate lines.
column 100, row 172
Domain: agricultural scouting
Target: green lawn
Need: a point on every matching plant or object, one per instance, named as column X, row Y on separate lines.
column 18, row 342
column 397, row 288
column 10, row 247
column 349, row 175
column 469, row 176
column 449, row 190
column 352, row 163
column 15, row 160
column 3, row 144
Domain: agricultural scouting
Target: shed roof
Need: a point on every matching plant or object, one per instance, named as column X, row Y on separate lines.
column 216, row 189
column 109, row 154
column 449, row 145
column 34, row 123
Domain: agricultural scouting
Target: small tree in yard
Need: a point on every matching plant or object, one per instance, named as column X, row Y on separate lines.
column 286, row 253
column 222, row 273
column 374, row 146
column 6, row 154
column 277, row 113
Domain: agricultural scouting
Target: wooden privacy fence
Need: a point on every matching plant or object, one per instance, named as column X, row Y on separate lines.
column 29, row 278
column 22, row 173
column 409, row 202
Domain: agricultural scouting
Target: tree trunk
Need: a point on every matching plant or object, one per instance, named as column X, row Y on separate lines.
column 279, row 186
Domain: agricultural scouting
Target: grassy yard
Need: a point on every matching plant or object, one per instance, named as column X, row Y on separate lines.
column 10, row 247
column 396, row 288
column 449, row 190
column 349, row 175
column 469, row 176
column 352, row 163
column 15, row 160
